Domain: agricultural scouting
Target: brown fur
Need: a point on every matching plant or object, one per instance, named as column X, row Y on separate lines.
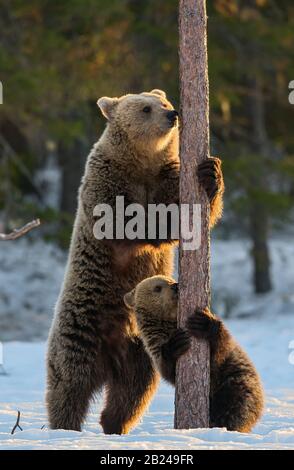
column 93, row 341
column 236, row 395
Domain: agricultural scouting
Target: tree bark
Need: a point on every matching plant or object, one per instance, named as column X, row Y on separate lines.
column 193, row 371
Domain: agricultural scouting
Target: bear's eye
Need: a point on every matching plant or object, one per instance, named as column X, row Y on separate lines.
column 147, row 109
column 157, row 289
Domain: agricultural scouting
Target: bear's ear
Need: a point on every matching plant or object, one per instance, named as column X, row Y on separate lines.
column 107, row 106
column 159, row 92
column 129, row 299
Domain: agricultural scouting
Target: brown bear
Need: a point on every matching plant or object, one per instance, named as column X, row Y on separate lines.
column 93, row 342
column 236, row 395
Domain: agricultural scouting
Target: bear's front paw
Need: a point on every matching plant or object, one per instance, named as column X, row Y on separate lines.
column 203, row 325
column 170, row 169
column 177, row 345
column 210, row 176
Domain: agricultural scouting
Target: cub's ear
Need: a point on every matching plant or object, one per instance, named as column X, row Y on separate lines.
column 159, row 92
column 129, row 299
column 107, row 106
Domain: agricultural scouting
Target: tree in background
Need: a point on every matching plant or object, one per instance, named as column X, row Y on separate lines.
column 56, row 59
column 251, row 60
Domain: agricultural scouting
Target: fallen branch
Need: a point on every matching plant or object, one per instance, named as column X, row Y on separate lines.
column 17, row 233
column 16, row 424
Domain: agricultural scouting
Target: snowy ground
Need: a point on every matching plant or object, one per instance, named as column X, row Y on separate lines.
column 30, row 276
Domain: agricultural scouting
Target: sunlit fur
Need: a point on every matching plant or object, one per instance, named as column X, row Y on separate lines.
column 93, row 341
column 236, row 395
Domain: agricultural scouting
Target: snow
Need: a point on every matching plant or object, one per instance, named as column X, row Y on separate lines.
column 30, row 275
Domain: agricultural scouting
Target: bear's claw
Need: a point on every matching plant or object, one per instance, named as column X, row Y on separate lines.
column 177, row 345
column 202, row 324
column 210, row 176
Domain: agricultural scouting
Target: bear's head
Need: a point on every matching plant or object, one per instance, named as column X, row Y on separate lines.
column 155, row 296
column 148, row 119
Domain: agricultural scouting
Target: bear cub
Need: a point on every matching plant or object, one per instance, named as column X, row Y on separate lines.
column 236, row 394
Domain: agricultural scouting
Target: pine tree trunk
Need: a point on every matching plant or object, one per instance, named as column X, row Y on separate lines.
column 259, row 217
column 72, row 161
column 192, row 374
column 260, row 250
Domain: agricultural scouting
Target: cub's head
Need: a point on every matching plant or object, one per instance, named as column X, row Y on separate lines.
column 148, row 119
column 155, row 296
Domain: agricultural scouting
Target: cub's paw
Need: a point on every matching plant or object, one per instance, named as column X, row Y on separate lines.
column 203, row 325
column 178, row 344
column 210, row 176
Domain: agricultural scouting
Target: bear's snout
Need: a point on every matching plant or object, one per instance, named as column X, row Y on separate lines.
column 172, row 116
column 174, row 288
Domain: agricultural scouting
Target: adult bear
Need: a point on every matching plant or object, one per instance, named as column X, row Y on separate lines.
column 93, row 342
